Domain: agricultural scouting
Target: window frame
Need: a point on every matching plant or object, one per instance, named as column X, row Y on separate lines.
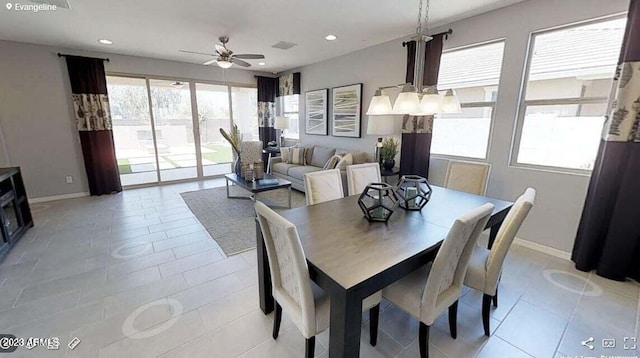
column 523, row 103
column 477, row 104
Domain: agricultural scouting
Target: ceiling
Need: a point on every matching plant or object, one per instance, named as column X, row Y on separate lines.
column 159, row 28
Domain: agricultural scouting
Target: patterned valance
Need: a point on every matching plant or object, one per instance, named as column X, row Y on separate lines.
column 92, row 111
column 289, row 84
column 89, row 93
column 622, row 125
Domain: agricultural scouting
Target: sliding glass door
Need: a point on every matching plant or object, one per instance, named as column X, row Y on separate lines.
column 166, row 130
column 132, row 130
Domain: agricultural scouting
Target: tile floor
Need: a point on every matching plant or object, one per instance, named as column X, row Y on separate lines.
column 135, row 275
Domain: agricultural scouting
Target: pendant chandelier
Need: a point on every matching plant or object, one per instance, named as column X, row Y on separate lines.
column 415, row 99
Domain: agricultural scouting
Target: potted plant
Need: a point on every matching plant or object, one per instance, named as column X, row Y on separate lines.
column 234, row 137
column 388, row 152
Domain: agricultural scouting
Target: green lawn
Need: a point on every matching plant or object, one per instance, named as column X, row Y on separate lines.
column 124, row 167
column 222, row 153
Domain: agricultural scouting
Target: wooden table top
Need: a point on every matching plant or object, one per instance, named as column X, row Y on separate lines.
column 339, row 240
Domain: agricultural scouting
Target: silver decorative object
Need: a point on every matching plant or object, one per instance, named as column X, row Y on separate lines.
column 377, row 201
column 413, row 192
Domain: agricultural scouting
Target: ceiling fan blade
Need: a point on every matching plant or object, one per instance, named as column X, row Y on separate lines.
column 249, row 56
column 238, row 61
column 210, row 62
column 221, row 49
column 198, row 53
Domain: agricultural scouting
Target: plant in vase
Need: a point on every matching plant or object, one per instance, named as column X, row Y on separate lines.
column 234, row 137
column 388, row 152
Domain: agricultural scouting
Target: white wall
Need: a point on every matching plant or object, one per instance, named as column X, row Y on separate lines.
column 554, row 219
column 36, row 117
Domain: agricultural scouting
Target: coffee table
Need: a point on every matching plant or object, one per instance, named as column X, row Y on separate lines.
column 254, row 187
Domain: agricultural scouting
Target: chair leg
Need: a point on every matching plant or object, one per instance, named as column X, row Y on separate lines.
column 495, row 299
column 277, row 317
column 374, row 313
column 423, row 340
column 486, row 306
column 453, row 320
column 310, row 347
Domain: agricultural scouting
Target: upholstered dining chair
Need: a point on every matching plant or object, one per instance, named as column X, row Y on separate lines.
column 469, row 177
column 323, row 185
column 486, row 265
column 293, row 291
column 436, row 287
column 361, row 175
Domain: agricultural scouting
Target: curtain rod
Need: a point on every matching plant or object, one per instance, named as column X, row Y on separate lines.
column 445, row 33
column 66, row 55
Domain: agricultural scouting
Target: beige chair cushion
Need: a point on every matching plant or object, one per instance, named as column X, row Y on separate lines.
column 323, row 185
column 345, row 161
column 476, row 273
column 361, row 175
column 469, row 177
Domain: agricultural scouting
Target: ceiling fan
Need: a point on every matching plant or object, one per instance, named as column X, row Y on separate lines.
column 225, row 57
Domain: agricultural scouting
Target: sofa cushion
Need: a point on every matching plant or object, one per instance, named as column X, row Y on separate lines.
column 282, row 168
column 297, row 156
column 358, row 157
column 345, row 161
column 299, row 170
column 332, row 162
column 308, row 153
column 320, row 155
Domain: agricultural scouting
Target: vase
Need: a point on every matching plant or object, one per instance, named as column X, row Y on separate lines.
column 237, row 166
column 388, row 164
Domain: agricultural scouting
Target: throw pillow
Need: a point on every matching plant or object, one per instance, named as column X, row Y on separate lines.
column 284, row 153
column 297, row 156
column 345, row 161
column 332, row 162
column 320, row 155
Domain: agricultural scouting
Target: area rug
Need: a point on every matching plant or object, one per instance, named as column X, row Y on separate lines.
column 231, row 222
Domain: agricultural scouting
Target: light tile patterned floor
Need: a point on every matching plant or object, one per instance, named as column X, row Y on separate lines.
column 135, row 275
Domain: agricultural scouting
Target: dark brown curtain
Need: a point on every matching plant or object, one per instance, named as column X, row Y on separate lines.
column 93, row 119
column 608, row 238
column 267, row 91
column 417, row 130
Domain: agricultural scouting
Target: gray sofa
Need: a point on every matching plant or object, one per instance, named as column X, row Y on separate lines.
column 316, row 157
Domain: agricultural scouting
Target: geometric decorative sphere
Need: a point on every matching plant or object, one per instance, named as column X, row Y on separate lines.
column 377, row 201
column 413, row 192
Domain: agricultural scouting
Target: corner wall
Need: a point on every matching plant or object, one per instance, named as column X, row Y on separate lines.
column 553, row 221
column 37, row 126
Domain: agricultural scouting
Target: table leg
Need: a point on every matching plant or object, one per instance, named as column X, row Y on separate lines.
column 227, row 185
column 493, row 232
column 289, row 196
column 346, row 323
column 264, row 275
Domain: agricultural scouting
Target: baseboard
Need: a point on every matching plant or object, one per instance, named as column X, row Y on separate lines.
column 43, row 199
column 543, row 248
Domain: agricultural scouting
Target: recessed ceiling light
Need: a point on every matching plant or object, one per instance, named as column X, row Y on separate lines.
column 105, row 42
column 330, row 37
column 261, row 63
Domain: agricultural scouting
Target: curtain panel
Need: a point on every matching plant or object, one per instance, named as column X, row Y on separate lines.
column 417, row 130
column 93, row 120
column 608, row 237
column 267, row 91
column 289, row 84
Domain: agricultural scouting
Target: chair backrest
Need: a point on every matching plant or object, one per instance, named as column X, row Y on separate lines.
column 444, row 284
column 361, row 175
column 469, row 177
column 505, row 237
column 250, row 151
column 288, row 266
column 323, row 185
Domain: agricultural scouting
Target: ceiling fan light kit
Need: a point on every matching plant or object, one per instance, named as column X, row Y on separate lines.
column 225, row 58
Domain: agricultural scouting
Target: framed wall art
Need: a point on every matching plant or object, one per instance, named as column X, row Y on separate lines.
column 316, row 116
column 346, row 111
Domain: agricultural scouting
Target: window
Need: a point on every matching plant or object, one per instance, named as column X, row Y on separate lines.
column 473, row 72
column 291, row 110
column 567, row 87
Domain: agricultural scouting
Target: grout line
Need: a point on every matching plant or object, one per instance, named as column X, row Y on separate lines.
column 571, row 316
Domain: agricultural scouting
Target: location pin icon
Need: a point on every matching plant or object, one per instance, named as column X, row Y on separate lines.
column 9, row 5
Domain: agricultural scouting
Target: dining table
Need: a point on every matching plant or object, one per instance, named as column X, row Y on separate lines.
column 351, row 258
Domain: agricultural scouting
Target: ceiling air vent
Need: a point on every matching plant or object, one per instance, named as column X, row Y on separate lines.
column 58, row 3
column 284, row 45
